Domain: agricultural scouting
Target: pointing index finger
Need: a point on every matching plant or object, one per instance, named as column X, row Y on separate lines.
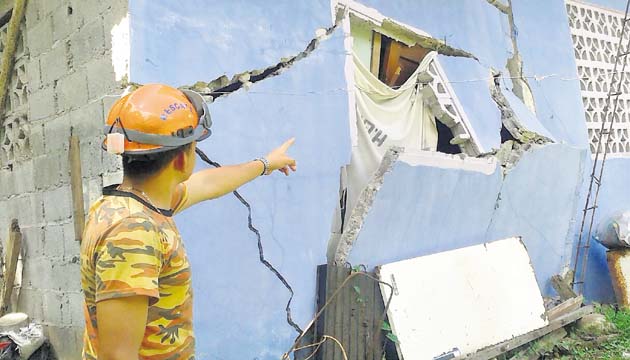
column 288, row 144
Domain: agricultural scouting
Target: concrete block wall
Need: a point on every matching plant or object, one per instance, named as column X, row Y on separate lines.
column 69, row 82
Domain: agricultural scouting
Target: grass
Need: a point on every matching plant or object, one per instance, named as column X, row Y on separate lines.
column 608, row 350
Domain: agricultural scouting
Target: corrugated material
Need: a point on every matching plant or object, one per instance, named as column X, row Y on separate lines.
column 353, row 317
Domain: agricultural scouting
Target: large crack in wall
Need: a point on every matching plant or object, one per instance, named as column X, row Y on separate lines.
column 223, row 86
column 520, row 86
column 524, row 140
column 364, row 205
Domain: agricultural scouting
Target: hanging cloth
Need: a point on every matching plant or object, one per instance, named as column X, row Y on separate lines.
column 386, row 117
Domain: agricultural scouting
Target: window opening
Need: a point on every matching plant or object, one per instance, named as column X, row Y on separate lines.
column 445, row 135
column 506, row 135
column 396, row 61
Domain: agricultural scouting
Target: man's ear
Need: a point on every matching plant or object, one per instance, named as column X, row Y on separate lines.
column 179, row 162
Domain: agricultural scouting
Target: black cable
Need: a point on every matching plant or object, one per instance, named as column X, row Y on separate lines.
column 261, row 254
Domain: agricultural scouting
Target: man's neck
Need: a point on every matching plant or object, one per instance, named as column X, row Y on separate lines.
column 158, row 189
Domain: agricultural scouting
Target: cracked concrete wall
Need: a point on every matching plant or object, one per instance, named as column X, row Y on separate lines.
column 236, row 298
column 424, row 209
column 239, row 304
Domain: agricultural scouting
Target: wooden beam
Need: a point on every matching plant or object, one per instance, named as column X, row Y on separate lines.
column 375, row 62
column 76, row 186
column 565, row 307
column 8, row 55
column 501, row 348
column 392, row 68
column 14, row 245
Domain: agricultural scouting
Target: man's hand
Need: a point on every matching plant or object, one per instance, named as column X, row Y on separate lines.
column 279, row 160
column 212, row 183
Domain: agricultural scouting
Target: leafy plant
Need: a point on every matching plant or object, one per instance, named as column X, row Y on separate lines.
column 389, row 334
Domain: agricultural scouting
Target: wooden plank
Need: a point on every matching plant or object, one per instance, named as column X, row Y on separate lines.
column 375, row 62
column 76, row 186
column 10, row 47
column 321, row 300
column 565, row 308
column 14, row 245
column 501, row 348
column 329, row 320
column 338, row 302
column 392, row 68
column 345, row 303
column 353, row 333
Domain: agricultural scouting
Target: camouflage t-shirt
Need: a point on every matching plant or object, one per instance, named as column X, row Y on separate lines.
column 130, row 248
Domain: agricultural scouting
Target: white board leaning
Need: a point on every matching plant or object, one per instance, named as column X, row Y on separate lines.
column 468, row 299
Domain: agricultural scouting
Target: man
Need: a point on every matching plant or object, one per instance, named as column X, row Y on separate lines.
column 134, row 269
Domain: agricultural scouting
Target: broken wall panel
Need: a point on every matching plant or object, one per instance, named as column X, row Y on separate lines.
column 524, row 116
column 422, row 210
column 539, row 202
column 463, row 299
column 239, row 304
column 451, row 22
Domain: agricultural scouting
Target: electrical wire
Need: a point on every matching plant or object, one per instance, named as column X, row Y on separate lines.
column 261, row 254
column 333, row 296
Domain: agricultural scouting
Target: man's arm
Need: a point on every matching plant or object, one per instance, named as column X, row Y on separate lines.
column 213, row 183
column 121, row 326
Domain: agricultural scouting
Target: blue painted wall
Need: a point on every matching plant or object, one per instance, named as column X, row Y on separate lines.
column 239, row 304
column 423, row 210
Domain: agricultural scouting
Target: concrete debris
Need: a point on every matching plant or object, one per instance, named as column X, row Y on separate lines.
column 520, row 86
column 509, row 118
column 562, row 284
column 222, row 85
column 509, row 154
column 363, row 206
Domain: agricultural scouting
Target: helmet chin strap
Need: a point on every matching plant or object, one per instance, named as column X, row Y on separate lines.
column 261, row 255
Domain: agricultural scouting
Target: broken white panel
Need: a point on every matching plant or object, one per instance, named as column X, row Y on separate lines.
column 468, row 299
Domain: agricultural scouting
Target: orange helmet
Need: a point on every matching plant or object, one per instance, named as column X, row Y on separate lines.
column 156, row 118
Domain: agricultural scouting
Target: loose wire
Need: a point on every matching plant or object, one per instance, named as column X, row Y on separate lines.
column 261, row 254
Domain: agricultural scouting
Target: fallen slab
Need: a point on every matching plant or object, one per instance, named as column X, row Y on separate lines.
column 465, row 299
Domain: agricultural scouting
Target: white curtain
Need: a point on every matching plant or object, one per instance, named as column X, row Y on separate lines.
column 386, row 117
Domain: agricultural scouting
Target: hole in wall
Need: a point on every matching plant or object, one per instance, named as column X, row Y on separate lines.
column 396, row 61
column 70, row 10
column 445, row 135
column 506, row 135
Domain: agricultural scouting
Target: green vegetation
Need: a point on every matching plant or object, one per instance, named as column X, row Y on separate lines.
column 602, row 347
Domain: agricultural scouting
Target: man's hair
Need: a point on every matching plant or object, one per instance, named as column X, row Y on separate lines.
column 143, row 166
